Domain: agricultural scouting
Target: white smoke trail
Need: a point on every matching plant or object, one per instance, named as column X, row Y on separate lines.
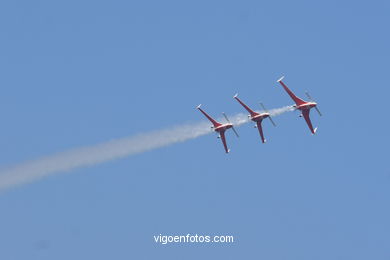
column 91, row 155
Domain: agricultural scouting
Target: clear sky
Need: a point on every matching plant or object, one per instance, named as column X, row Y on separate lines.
column 77, row 73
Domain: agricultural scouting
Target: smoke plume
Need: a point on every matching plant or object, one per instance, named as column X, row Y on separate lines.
column 91, row 155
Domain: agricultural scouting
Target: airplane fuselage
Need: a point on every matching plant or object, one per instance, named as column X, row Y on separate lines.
column 306, row 106
column 259, row 117
column 223, row 127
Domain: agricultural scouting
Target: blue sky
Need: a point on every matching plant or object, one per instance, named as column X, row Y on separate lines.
column 77, row 73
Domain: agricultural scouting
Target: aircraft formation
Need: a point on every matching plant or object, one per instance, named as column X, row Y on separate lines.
column 300, row 104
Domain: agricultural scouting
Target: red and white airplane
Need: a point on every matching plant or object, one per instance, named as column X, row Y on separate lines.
column 220, row 128
column 256, row 117
column 302, row 105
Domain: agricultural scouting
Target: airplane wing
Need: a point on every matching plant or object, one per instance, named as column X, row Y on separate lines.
column 215, row 123
column 223, row 138
column 260, row 131
column 253, row 113
column 305, row 114
column 296, row 99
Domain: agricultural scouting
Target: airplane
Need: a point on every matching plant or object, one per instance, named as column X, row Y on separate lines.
column 302, row 105
column 220, row 128
column 256, row 117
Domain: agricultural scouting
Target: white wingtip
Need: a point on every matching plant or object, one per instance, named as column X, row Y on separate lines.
column 315, row 130
column 235, row 95
column 228, row 151
column 199, row 106
column 279, row 80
